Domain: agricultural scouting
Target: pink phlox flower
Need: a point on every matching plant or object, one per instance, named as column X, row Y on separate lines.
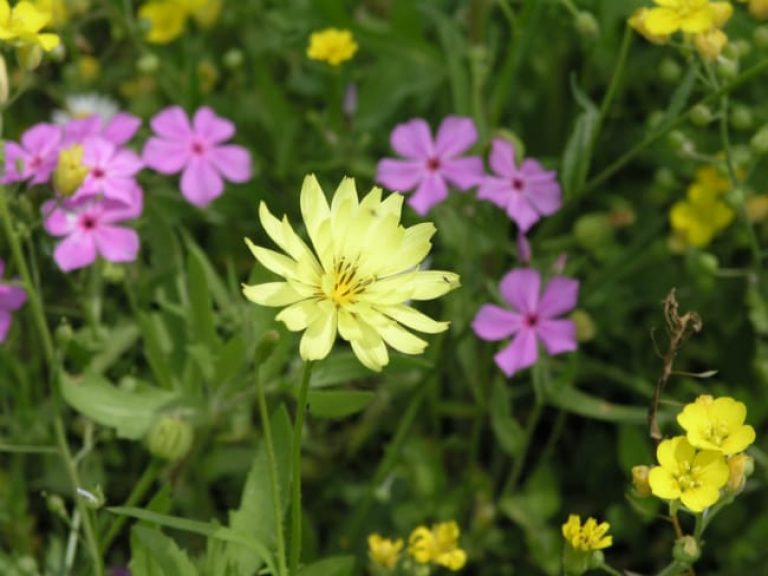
column 532, row 318
column 35, row 158
column 89, row 228
column 430, row 165
column 112, row 171
column 198, row 151
column 526, row 192
column 11, row 298
column 118, row 130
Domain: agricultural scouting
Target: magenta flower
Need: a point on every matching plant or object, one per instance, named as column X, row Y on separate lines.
column 119, row 129
column 112, row 171
column 35, row 158
column 89, row 227
column 526, row 193
column 429, row 166
column 11, row 298
column 530, row 320
column 198, row 151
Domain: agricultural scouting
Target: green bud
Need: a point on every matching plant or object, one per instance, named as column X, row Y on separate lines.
column 759, row 142
column 170, row 438
column 654, row 119
column 708, row 262
column 64, row 333
column 741, row 118
column 760, row 36
column 586, row 25
column 701, row 115
column 665, row 178
column 686, row 550
column 233, row 59
column 594, row 231
column 741, row 47
column 93, row 498
column 727, row 69
column 148, row 63
column 585, row 326
column 29, row 56
column 56, row 506
column 670, row 71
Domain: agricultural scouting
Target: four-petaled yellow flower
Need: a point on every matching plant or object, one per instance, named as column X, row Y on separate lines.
column 357, row 281
column 22, row 24
column 168, row 18
column 717, row 424
column 439, row 546
column 383, row 551
column 332, row 45
column 590, row 536
column 689, row 16
column 695, row 478
column 698, row 218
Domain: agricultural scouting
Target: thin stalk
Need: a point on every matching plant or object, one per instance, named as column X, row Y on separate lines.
column 71, row 552
column 276, row 507
column 613, row 87
column 296, row 472
column 674, row 568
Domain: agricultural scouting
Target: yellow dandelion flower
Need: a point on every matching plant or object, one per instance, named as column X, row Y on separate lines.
column 332, row 45
column 695, row 478
column 438, row 546
column 383, row 551
column 357, row 280
column 717, row 424
column 590, row 536
column 22, row 26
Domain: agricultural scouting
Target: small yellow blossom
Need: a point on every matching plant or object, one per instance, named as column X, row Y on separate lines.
column 167, row 19
column 698, row 218
column 57, row 9
column 670, row 16
column 332, row 45
column 693, row 477
column 710, row 44
column 438, row 546
column 717, row 424
column 590, row 536
column 637, row 22
column 70, row 171
column 21, row 26
column 383, row 551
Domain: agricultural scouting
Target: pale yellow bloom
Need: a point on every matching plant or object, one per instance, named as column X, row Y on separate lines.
column 22, row 26
column 332, row 45
column 383, row 551
column 759, row 9
column 438, row 546
column 357, row 281
column 690, row 16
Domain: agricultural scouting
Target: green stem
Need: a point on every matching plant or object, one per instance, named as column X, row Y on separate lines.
column 617, row 165
column 276, row 504
column 148, row 478
column 613, row 87
column 609, row 569
column 674, row 568
column 296, row 472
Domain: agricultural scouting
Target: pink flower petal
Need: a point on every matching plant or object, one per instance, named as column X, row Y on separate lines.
column 172, row 123
column 121, row 128
column 523, row 248
column 117, row 244
column 212, row 128
column 76, row 131
column 119, row 211
column 413, row 140
column 200, row 183
column 464, row 173
column 5, row 324
column 166, row 156
column 495, row 323
column 119, row 189
column 98, row 152
column 545, row 197
column 455, row 136
column 12, row 297
column 400, row 175
column 520, row 288
column 521, row 211
column 521, row 353
column 14, row 159
column 77, row 250
column 502, row 158
column 559, row 297
column 125, row 163
column 42, row 139
column 57, row 221
column 232, row 162
column 431, row 191
column 494, row 190
column 558, row 335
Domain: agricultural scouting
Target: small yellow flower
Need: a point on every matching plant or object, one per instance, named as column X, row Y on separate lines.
column 22, row 25
column 358, row 280
column 70, row 171
column 690, row 16
column 637, row 22
column 590, row 536
column 703, row 214
column 695, row 478
column 717, row 424
column 710, row 44
column 332, row 45
column 438, row 546
column 383, row 551
column 57, row 9
column 167, row 19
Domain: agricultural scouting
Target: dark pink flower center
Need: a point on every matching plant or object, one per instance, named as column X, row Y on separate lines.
column 198, row 147
column 433, row 164
column 98, row 172
column 530, row 320
column 518, row 184
column 87, row 222
column 36, row 162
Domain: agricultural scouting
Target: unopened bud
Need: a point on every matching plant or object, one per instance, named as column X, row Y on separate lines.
column 593, row 231
column 757, row 208
column 266, row 345
column 727, row 69
column 586, row 25
column 4, row 86
column 741, row 467
column 585, row 326
column 63, row 333
column 29, row 56
column 741, row 118
column 670, row 71
column 55, row 505
column 170, row 438
column 148, row 63
column 233, row 59
column 700, row 115
column 640, row 481
column 686, row 550
column 759, row 142
column 70, row 171
column 760, row 37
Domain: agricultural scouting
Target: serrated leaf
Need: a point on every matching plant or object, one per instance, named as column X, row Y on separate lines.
column 130, row 413
column 334, row 404
column 155, row 554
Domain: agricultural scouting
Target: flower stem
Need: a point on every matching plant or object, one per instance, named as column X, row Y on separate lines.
column 296, row 472
column 276, row 507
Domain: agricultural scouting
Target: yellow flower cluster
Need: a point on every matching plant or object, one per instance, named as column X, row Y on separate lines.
column 694, row 468
column 702, row 214
column 168, row 18
column 590, row 536
column 438, row 545
column 332, row 45
column 701, row 21
column 22, row 25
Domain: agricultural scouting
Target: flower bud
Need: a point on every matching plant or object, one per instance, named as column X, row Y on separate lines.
column 113, row 273
column 760, row 37
column 670, row 71
column 70, row 171
column 710, row 44
column 586, row 25
column 701, row 115
column 727, row 69
column 757, row 208
column 741, row 467
column 170, row 438
column 93, row 498
column 148, row 63
column 741, row 118
column 64, row 333
column 265, row 346
column 640, row 481
column 4, row 86
column 759, row 142
column 233, row 59
column 55, row 505
column 29, row 56
column 686, row 550
column 585, row 326
column 593, row 231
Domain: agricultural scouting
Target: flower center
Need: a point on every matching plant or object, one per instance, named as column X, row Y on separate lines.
column 687, row 476
column 98, row 172
column 518, row 184
column 36, row 162
column 347, row 283
column 716, row 432
column 433, row 164
column 198, row 147
column 87, row 222
column 530, row 320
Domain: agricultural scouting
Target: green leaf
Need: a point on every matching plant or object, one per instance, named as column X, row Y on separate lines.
column 573, row 400
column 507, row 430
column 208, row 529
column 155, row 554
column 334, row 404
column 577, row 155
column 120, row 339
column 201, row 318
column 538, row 501
column 130, row 413
column 333, row 566
column 680, row 96
column 156, row 351
column 230, row 360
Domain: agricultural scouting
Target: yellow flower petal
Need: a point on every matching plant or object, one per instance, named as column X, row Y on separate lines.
column 272, row 294
column 320, row 334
